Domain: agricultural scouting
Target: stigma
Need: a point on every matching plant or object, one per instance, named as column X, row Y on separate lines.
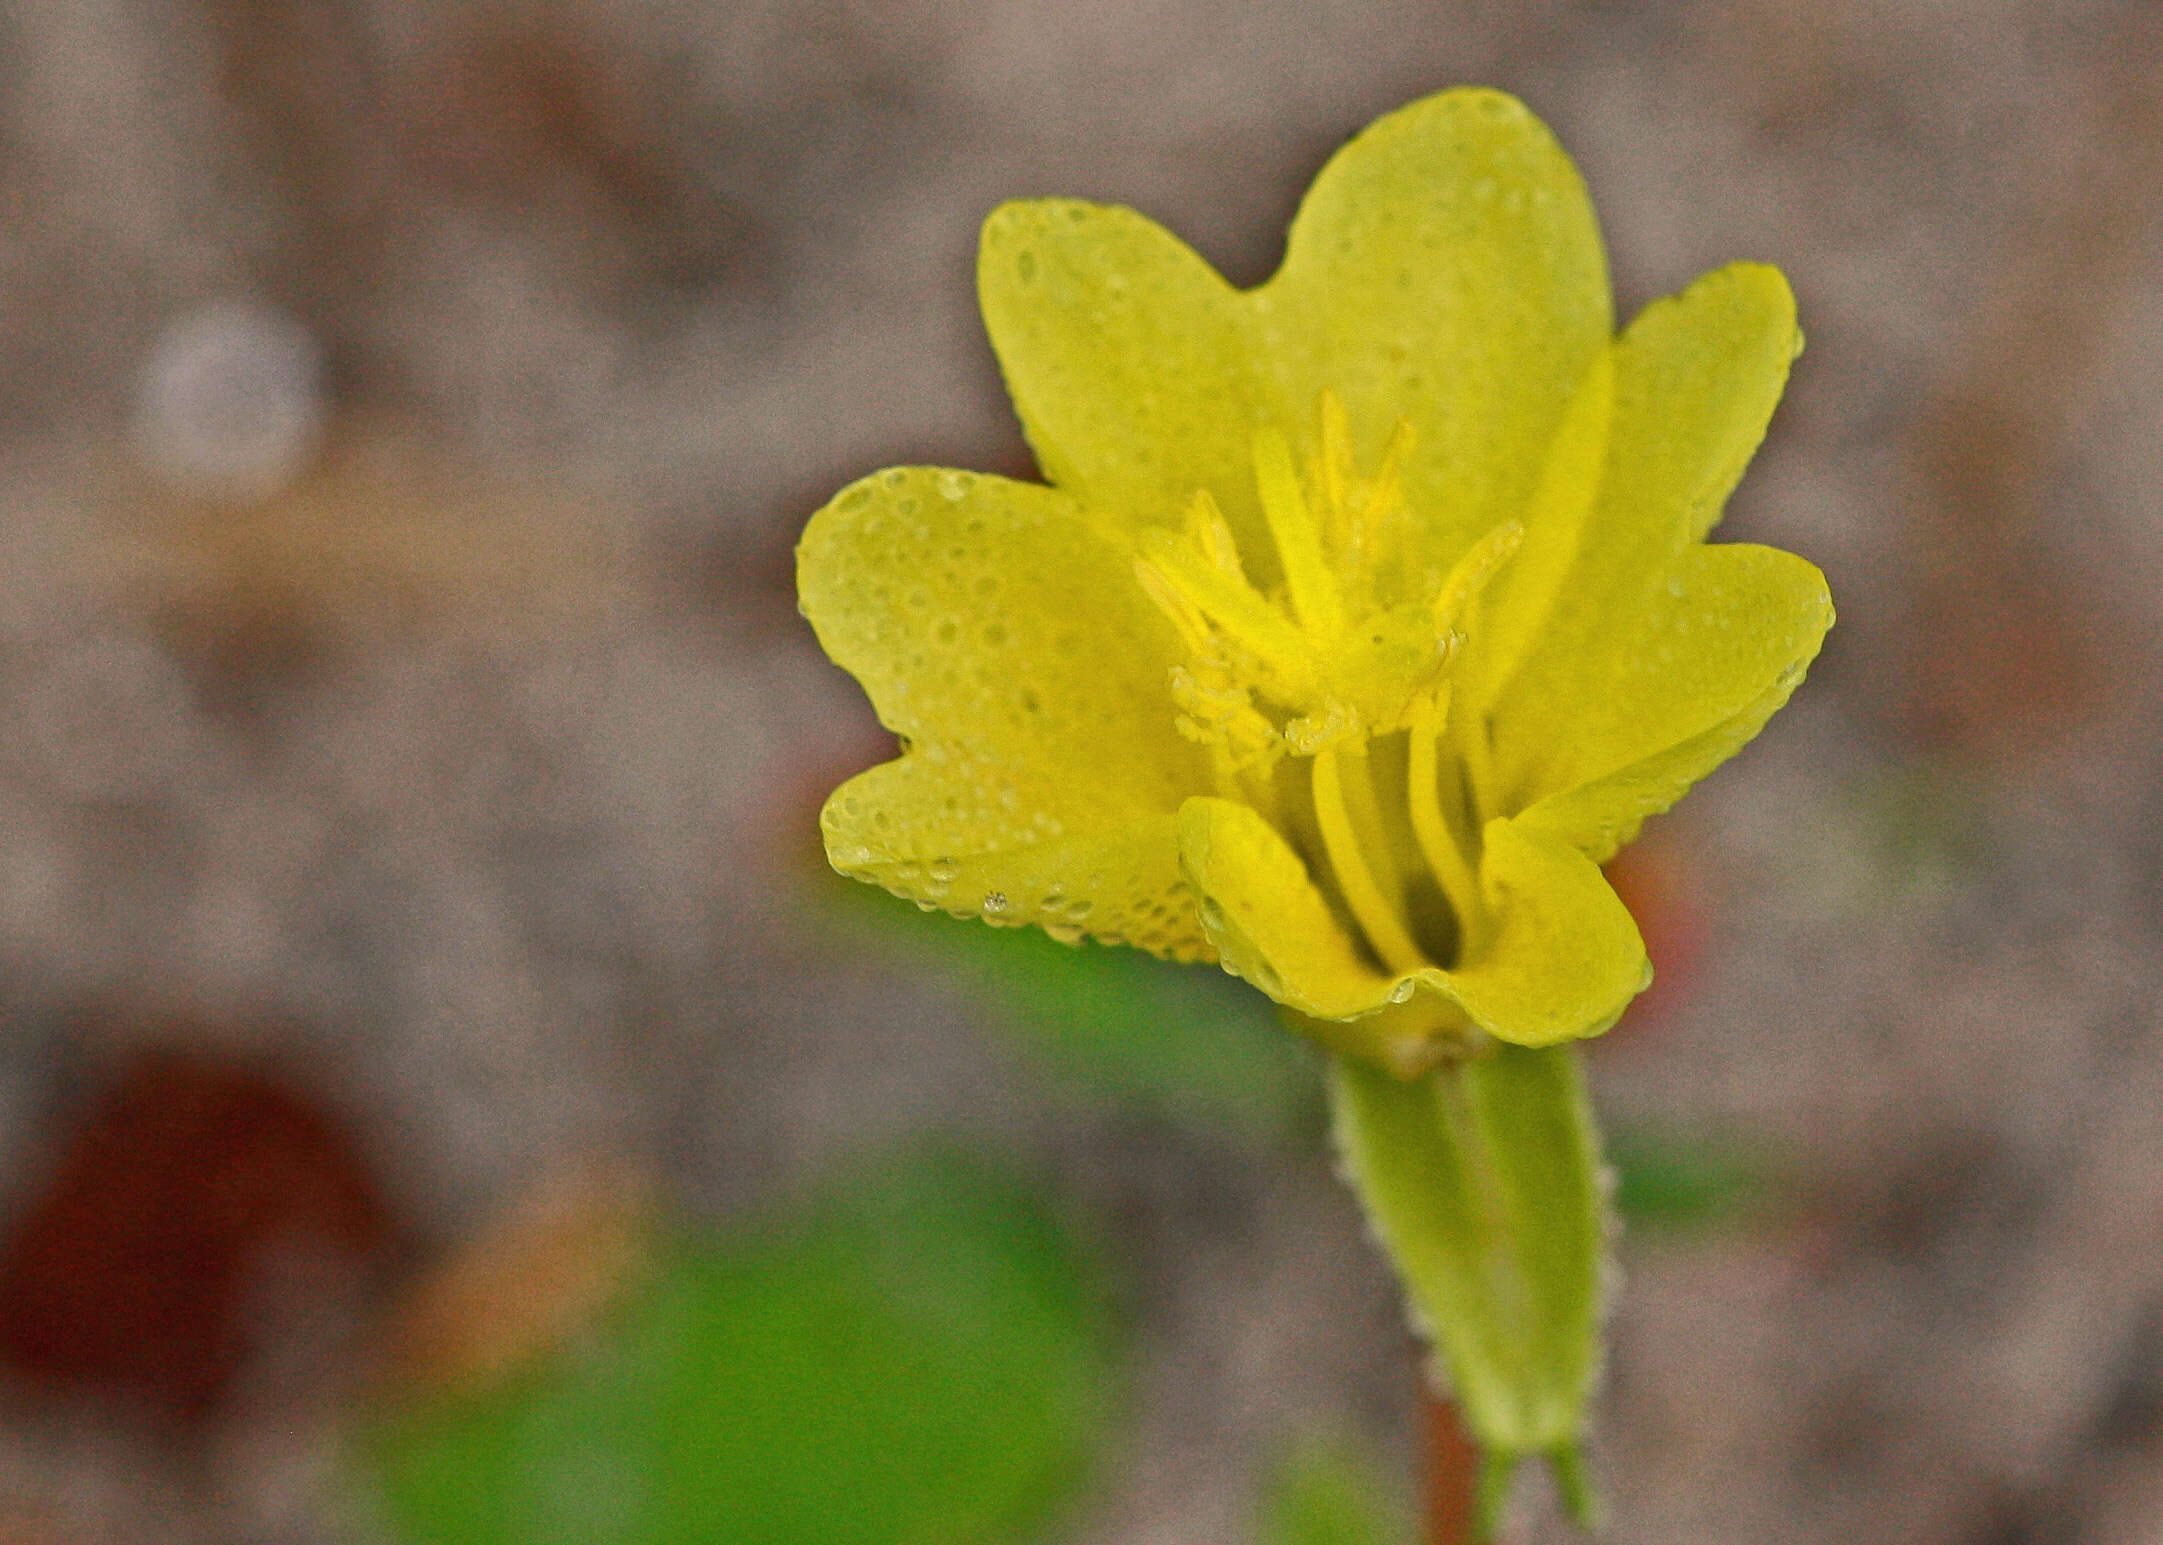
column 1328, row 654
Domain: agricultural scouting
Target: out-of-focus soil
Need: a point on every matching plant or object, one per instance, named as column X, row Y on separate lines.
column 402, row 664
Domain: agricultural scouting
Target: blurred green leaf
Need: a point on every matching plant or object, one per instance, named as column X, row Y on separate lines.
column 1187, row 1041
column 1327, row 1494
column 1678, row 1184
column 921, row 1357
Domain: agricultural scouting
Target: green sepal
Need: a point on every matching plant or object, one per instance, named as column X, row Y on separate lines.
column 1482, row 1180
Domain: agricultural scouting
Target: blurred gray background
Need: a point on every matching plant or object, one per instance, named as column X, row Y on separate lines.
column 406, row 413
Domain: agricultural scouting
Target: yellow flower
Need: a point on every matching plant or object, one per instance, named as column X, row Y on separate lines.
column 1365, row 613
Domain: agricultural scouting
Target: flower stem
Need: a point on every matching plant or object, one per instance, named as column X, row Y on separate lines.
column 1453, row 1476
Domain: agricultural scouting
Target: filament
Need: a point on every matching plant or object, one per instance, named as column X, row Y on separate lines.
column 1384, row 929
column 1437, row 839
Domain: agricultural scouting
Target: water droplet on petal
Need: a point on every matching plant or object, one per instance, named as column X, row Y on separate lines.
column 995, row 903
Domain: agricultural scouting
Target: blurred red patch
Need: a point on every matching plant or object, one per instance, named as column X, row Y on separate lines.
column 1452, row 1464
column 1659, row 882
column 132, row 1274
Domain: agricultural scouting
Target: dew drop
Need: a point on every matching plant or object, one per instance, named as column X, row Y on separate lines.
column 1402, row 992
column 954, row 486
column 995, row 903
column 943, row 870
column 1065, row 933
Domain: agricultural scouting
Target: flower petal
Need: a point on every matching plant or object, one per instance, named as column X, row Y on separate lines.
column 1694, row 382
column 1127, row 357
column 1445, row 268
column 1565, row 958
column 1119, row 883
column 1268, row 921
column 1562, row 961
column 1625, row 734
column 1003, row 637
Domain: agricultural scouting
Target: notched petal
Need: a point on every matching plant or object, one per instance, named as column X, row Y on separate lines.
column 1564, row 958
column 897, row 826
column 1268, row 921
column 1127, row 358
column 1561, row 961
column 1696, row 379
column 1445, row 269
column 1002, row 636
column 1722, row 647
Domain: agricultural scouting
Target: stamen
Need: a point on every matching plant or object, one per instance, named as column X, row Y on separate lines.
column 1387, row 490
column 1212, row 533
column 1299, row 539
column 1376, row 917
column 1472, row 572
column 1437, row 838
column 1192, row 627
column 1231, row 607
column 1475, row 759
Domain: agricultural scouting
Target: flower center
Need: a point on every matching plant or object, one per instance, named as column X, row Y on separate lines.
column 1325, row 675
